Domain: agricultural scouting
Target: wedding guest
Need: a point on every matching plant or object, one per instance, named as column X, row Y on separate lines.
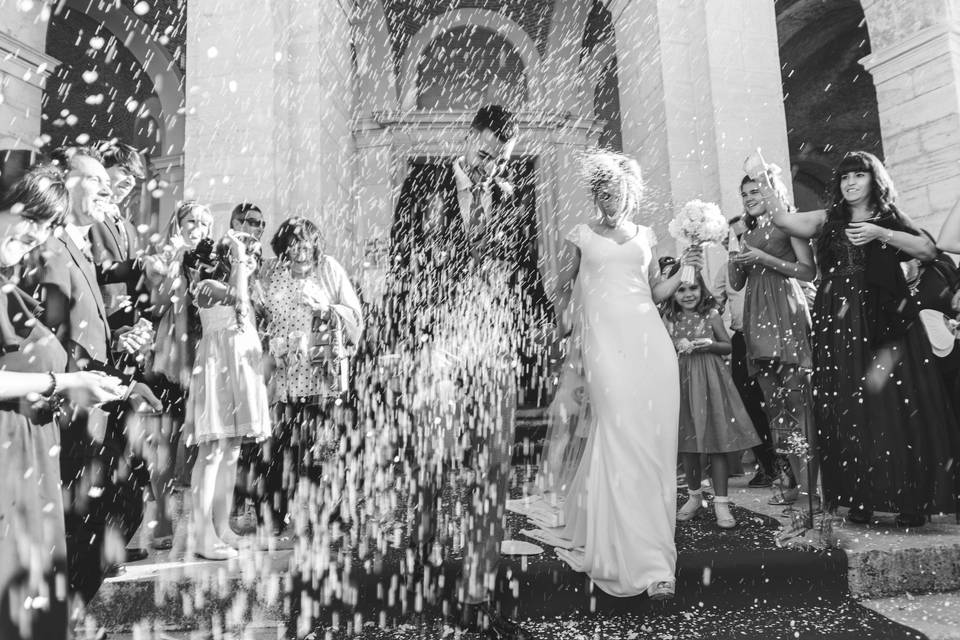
column 776, row 324
column 887, row 429
column 731, row 300
column 713, row 420
column 115, row 242
column 171, row 363
column 227, row 398
column 247, row 217
column 104, row 482
column 313, row 315
column 32, row 379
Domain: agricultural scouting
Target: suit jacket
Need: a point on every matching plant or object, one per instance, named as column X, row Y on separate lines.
column 432, row 251
column 65, row 282
column 120, row 272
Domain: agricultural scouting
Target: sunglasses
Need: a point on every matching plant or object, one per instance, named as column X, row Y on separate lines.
column 253, row 222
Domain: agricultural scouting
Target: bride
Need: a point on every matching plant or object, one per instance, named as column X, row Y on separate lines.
column 620, row 507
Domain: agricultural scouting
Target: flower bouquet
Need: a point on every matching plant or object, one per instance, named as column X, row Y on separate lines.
column 698, row 223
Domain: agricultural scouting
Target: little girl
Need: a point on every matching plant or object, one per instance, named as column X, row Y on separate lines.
column 228, row 397
column 713, row 419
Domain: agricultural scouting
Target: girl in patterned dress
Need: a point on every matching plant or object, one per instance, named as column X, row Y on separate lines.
column 713, row 419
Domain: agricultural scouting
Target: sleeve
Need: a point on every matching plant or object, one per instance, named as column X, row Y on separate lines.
column 346, row 303
column 651, row 236
column 46, row 281
column 575, row 236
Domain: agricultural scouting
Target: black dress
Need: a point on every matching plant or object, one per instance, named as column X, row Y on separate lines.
column 887, row 428
column 32, row 539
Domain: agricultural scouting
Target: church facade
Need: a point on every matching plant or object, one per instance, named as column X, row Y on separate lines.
column 321, row 107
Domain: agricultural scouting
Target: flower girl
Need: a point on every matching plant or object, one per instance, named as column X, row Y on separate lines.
column 713, row 420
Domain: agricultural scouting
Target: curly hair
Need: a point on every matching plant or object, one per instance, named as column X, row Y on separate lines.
column 602, row 167
column 297, row 229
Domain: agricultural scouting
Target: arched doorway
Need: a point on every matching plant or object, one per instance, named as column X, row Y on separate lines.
column 830, row 100
column 121, row 78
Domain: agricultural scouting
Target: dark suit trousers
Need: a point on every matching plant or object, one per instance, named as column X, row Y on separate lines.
column 104, row 499
column 752, row 398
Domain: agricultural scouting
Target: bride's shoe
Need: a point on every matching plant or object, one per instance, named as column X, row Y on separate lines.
column 219, row 551
column 725, row 519
column 691, row 508
column 663, row 590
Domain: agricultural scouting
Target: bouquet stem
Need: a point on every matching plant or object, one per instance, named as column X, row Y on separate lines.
column 688, row 275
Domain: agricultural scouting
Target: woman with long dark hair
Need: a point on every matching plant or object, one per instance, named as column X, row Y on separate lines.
column 887, row 429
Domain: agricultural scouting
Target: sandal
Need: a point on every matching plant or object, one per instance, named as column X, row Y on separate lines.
column 662, row 590
column 162, row 543
column 785, row 497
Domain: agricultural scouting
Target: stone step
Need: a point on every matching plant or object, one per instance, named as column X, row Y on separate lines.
column 937, row 615
column 886, row 561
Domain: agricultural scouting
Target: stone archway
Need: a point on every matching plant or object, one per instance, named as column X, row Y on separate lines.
column 490, row 20
column 830, row 103
column 155, row 61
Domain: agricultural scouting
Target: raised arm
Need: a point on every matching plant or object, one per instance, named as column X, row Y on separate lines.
column 799, row 224
column 663, row 289
column 949, row 239
column 804, row 225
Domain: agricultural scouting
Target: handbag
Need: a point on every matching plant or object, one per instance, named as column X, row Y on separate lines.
column 327, row 353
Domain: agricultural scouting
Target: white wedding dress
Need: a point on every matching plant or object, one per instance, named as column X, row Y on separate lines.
column 620, row 513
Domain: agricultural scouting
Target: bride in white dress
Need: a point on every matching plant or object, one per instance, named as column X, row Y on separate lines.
column 620, row 511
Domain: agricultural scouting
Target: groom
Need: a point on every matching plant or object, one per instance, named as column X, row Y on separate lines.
column 461, row 287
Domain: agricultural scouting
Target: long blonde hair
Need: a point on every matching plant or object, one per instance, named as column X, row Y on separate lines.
column 174, row 226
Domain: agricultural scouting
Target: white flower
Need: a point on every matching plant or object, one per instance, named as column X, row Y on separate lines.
column 698, row 222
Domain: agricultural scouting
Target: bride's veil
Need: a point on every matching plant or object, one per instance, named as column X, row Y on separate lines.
column 567, row 419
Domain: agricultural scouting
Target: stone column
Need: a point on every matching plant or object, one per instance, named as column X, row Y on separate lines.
column 24, row 69
column 231, row 129
column 915, row 65
column 699, row 89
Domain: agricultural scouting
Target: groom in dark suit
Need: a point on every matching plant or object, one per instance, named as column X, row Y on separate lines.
column 466, row 300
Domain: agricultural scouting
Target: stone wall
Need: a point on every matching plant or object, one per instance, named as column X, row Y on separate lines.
column 269, row 100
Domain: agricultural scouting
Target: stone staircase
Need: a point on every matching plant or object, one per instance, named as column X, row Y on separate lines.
column 886, row 561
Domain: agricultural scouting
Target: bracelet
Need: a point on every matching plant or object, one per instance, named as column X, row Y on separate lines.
column 52, row 389
column 886, row 238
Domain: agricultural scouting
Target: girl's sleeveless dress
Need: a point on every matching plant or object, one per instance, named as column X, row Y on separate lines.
column 712, row 416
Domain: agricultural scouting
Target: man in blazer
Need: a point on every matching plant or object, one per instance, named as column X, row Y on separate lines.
column 460, row 276
column 101, row 478
column 115, row 241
